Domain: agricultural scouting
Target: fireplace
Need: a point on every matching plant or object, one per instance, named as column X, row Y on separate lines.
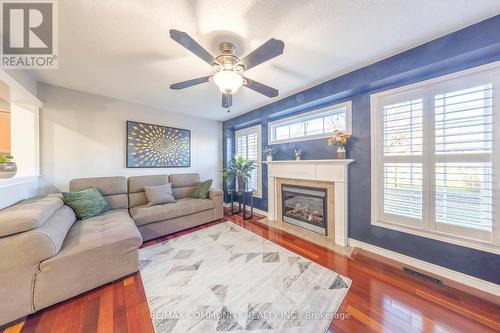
column 305, row 207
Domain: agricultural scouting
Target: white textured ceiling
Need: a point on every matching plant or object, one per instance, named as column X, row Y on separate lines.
column 122, row 49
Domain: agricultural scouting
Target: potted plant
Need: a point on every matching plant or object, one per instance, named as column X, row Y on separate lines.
column 341, row 140
column 8, row 168
column 269, row 152
column 239, row 171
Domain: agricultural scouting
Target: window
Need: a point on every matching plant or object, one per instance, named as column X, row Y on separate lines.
column 248, row 145
column 434, row 158
column 312, row 125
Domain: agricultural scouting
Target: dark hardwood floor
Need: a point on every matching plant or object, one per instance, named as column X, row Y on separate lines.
column 381, row 299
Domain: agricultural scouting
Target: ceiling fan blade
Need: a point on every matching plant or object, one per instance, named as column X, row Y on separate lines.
column 189, row 43
column 261, row 88
column 270, row 49
column 189, row 83
column 227, row 100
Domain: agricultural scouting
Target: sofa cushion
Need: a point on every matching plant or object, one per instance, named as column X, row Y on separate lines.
column 136, row 185
column 110, row 228
column 96, row 251
column 183, row 192
column 184, row 184
column 184, row 179
column 201, row 190
column 86, row 203
column 159, row 194
column 28, row 214
column 114, row 189
column 149, row 214
column 38, row 244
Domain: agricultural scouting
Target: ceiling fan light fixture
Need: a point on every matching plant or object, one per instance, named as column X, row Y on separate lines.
column 228, row 81
column 229, row 77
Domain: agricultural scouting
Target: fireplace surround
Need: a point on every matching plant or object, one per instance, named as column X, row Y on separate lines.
column 329, row 174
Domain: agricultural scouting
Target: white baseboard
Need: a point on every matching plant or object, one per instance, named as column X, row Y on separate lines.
column 261, row 212
column 462, row 278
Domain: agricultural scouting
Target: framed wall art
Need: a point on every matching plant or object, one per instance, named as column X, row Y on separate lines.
column 156, row 146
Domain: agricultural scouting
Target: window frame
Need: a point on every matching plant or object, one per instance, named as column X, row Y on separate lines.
column 250, row 130
column 304, row 117
column 428, row 227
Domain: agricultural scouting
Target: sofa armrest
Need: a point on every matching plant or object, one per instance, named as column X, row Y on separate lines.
column 215, row 193
column 217, row 196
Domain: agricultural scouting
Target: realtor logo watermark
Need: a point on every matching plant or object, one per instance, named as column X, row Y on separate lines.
column 29, row 34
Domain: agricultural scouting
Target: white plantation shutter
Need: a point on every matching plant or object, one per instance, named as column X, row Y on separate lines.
column 463, row 121
column 403, row 189
column 463, row 148
column 241, row 145
column 436, row 157
column 248, row 142
column 402, row 165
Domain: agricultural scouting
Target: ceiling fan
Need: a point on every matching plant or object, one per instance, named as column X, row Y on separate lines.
column 230, row 69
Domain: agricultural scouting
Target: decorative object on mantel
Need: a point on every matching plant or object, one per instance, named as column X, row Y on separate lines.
column 155, row 146
column 341, row 140
column 298, row 154
column 269, row 152
column 239, row 171
column 8, row 169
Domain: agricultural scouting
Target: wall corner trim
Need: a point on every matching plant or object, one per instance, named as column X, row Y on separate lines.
column 470, row 281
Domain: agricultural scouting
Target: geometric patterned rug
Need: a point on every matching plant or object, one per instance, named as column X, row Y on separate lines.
column 227, row 279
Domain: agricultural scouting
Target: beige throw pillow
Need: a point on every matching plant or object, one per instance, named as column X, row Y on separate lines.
column 159, row 194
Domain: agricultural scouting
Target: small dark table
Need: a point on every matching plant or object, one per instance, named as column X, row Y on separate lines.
column 241, row 197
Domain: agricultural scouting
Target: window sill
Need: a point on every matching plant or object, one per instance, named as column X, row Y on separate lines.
column 5, row 182
column 456, row 240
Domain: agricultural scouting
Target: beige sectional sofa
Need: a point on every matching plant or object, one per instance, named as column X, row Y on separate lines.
column 47, row 256
column 155, row 221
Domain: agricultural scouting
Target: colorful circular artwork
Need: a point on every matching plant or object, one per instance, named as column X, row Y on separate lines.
column 157, row 146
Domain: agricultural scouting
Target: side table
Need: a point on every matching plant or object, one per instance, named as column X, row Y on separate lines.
column 244, row 198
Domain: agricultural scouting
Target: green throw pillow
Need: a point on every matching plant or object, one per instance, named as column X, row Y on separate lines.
column 201, row 190
column 86, row 203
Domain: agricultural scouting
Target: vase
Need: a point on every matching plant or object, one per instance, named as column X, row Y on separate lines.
column 8, row 169
column 341, row 152
column 269, row 158
column 240, row 185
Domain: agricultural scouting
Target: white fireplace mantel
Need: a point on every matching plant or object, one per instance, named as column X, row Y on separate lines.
column 334, row 171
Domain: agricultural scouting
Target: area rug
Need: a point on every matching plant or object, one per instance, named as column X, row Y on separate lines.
column 225, row 278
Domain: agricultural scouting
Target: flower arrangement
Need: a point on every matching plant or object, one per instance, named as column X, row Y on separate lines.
column 269, row 151
column 340, row 139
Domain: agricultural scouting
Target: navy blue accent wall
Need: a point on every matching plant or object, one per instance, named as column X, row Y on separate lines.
column 470, row 47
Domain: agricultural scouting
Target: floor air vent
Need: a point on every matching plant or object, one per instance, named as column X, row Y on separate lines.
column 422, row 275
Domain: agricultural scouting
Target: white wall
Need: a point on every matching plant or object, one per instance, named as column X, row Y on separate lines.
column 84, row 135
column 24, row 78
column 24, row 142
column 24, row 137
